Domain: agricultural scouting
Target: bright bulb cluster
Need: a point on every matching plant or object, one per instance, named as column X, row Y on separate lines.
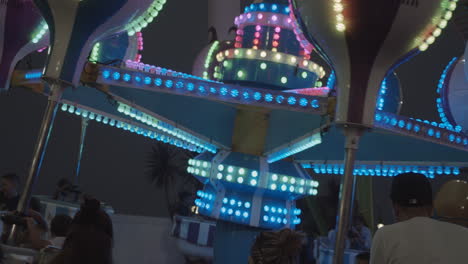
column 450, row 7
column 164, row 127
column 279, row 215
column 209, row 58
column 284, row 183
column 95, row 53
column 384, row 170
column 129, row 127
column 149, row 15
column 227, row 173
column 271, row 56
column 40, row 32
column 295, row 148
column 338, row 8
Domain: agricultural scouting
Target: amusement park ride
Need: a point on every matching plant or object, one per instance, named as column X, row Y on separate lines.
column 261, row 108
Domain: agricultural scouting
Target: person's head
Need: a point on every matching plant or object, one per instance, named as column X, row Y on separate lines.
column 358, row 221
column 60, row 225
column 281, row 247
column 363, row 258
column 90, row 237
column 451, row 203
column 411, row 195
column 64, row 183
column 9, row 184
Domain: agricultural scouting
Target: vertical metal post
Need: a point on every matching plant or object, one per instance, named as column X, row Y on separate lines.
column 38, row 153
column 353, row 135
column 84, row 128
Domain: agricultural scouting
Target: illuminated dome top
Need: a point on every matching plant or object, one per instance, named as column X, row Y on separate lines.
column 266, row 51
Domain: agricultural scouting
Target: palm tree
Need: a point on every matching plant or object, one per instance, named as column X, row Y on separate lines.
column 167, row 170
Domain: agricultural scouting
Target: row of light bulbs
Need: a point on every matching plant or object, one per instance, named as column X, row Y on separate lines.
column 149, row 15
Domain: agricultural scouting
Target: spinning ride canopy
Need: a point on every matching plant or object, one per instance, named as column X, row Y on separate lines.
column 76, row 25
column 362, row 40
column 22, row 30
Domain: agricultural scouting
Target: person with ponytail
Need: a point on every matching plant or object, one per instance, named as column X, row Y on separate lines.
column 281, row 247
column 90, row 239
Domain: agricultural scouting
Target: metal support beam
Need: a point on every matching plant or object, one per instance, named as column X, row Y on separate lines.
column 353, row 135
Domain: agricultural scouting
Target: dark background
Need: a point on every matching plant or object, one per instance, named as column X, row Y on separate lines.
column 114, row 161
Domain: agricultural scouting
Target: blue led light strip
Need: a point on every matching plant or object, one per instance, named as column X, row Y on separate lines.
column 421, row 130
column 33, row 75
column 383, row 169
column 440, row 101
column 127, row 125
column 381, row 97
column 212, row 91
column 294, row 147
column 165, row 127
column 268, row 7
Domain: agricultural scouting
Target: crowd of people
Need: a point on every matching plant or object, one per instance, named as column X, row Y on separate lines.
column 85, row 238
column 423, row 233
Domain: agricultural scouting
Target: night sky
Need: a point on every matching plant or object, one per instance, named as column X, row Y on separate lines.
column 114, row 161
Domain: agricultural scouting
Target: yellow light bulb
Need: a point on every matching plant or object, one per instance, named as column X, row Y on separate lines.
column 443, row 24
column 293, row 59
column 430, row 40
column 305, row 63
column 278, row 56
column 338, row 7
column 249, row 52
column 263, row 54
column 339, row 17
column 236, row 52
column 448, row 15
column 452, row 6
column 437, row 32
column 340, row 27
column 226, row 53
column 423, row 47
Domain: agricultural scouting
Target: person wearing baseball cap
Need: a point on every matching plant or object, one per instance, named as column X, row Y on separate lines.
column 416, row 237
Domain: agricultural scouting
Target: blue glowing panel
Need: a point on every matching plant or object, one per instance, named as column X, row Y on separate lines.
column 208, row 118
column 286, row 126
column 383, row 146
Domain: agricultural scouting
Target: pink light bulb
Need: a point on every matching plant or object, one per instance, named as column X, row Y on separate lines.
column 276, row 36
column 277, row 29
column 260, row 16
column 240, row 32
column 249, row 16
column 274, row 18
column 258, row 28
column 257, row 34
column 289, row 20
column 238, row 38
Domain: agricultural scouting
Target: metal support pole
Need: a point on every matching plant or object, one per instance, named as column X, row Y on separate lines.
column 84, row 128
column 353, row 135
column 38, row 154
